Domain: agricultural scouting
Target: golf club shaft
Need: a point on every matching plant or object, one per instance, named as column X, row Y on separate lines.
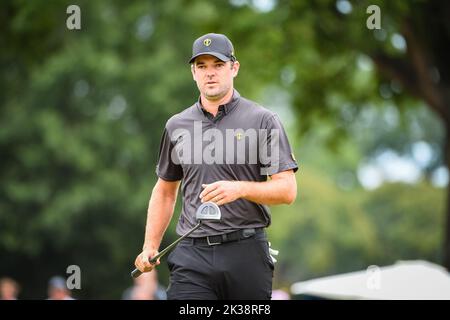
column 136, row 272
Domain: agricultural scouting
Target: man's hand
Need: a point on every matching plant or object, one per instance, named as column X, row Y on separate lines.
column 142, row 261
column 221, row 192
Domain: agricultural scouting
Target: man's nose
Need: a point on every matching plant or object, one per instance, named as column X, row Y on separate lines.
column 210, row 73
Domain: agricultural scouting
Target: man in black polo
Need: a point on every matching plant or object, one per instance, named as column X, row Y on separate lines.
column 235, row 153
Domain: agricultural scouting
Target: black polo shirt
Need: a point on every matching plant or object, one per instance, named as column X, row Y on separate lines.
column 244, row 142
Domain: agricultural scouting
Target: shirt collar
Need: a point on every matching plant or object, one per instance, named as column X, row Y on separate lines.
column 224, row 107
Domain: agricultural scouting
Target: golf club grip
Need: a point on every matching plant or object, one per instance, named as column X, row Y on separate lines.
column 136, row 272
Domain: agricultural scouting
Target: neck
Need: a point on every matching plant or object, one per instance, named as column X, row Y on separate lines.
column 212, row 106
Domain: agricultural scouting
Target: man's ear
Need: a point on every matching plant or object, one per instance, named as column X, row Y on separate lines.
column 193, row 71
column 236, row 66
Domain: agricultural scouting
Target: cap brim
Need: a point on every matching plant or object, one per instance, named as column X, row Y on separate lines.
column 215, row 54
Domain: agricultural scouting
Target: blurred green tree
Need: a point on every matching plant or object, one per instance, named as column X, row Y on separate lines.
column 81, row 117
column 328, row 55
column 348, row 231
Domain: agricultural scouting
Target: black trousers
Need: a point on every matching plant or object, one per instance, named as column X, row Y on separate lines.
column 236, row 270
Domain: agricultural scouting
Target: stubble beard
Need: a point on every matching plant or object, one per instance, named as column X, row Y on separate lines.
column 216, row 93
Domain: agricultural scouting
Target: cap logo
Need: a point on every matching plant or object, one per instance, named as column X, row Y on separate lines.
column 207, row 42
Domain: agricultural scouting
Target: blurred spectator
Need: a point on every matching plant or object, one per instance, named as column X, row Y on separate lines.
column 9, row 289
column 57, row 289
column 280, row 294
column 146, row 287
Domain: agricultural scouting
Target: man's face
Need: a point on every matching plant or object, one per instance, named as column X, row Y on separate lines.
column 214, row 77
column 8, row 290
column 57, row 293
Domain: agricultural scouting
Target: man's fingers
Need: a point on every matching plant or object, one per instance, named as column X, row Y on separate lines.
column 143, row 262
column 211, row 195
column 208, row 189
column 221, row 202
column 220, row 199
column 139, row 263
column 157, row 262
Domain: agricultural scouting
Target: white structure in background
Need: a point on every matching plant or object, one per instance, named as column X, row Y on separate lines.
column 405, row 280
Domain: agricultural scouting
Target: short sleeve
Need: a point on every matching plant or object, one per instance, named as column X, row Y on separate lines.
column 168, row 169
column 275, row 151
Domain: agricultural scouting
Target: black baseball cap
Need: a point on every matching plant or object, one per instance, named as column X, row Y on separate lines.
column 215, row 44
